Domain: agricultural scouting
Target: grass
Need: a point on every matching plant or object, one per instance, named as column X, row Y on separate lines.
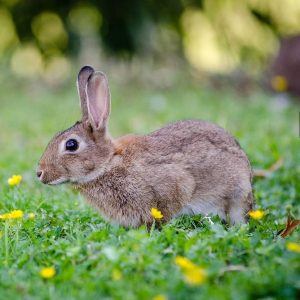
column 97, row 260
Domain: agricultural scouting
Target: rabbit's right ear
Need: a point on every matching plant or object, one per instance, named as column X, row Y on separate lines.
column 82, row 80
column 98, row 100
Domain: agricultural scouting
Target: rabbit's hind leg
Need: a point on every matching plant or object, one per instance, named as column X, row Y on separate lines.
column 239, row 208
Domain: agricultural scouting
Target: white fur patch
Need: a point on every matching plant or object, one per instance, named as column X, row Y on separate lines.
column 57, row 181
column 89, row 177
column 203, row 207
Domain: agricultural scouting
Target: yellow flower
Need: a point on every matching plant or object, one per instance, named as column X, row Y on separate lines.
column 116, row 275
column 156, row 214
column 279, row 83
column 256, row 214
column 14, row 214
column 47, row 272
column 14, row 180
column 184, row 263
column 195, row 276
column 293, row 247
column 31, row 215
column 160, row 297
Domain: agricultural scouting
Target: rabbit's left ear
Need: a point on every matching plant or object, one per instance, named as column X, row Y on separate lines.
column 82, row 80
column 98, row 100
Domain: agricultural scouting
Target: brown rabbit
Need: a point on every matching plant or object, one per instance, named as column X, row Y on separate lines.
column 187, row 167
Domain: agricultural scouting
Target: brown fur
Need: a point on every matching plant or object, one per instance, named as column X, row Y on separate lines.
column 123, row 142
column 187, row 167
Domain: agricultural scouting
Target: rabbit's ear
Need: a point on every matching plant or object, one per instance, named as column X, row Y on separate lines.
column 98, row 100
column 82, row 80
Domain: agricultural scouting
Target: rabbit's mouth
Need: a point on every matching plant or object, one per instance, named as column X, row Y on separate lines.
column 47, row 177
column 57, row 181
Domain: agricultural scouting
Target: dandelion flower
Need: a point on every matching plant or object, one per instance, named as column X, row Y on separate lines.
column 14, row 214
column 160, row 297
column 256, row 214
column 184, row 263
column 279, row 83
column 195, row 276
column 156, row 214
column 31, row 215
column 116, row 275
column 14, row 180
column 293, row 247
column 47, row 272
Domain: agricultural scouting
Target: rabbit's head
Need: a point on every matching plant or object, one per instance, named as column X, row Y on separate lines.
column 83, row 151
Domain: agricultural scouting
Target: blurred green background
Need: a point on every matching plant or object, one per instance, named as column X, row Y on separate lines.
column 43, row 39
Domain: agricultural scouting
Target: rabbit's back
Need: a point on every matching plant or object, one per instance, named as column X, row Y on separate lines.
column 186, row 133
column 198, row 144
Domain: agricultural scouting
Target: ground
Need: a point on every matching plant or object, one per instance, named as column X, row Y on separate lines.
column 96, row 260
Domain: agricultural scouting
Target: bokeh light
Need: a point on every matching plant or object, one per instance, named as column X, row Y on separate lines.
column 201, row 45
column 49, row 31
column 85, row 19
column 8, row 35
column 27, row 61
column 57, row 70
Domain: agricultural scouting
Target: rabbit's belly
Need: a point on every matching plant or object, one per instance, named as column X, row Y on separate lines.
column 132, row 220
column 203, row 207
column 125, row 216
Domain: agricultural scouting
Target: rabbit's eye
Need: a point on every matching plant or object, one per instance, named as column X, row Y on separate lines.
column 71, row 145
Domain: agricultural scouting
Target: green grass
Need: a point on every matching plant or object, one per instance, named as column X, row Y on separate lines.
column 85, row 250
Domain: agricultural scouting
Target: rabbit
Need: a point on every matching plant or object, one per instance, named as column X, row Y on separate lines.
column 187, row 167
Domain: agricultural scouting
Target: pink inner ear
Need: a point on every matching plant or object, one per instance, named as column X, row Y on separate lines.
column 98, row 99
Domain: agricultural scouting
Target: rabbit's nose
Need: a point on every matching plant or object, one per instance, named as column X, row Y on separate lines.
column 39, row 173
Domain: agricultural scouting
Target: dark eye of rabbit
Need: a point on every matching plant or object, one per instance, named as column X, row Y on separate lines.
column 71, row 145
